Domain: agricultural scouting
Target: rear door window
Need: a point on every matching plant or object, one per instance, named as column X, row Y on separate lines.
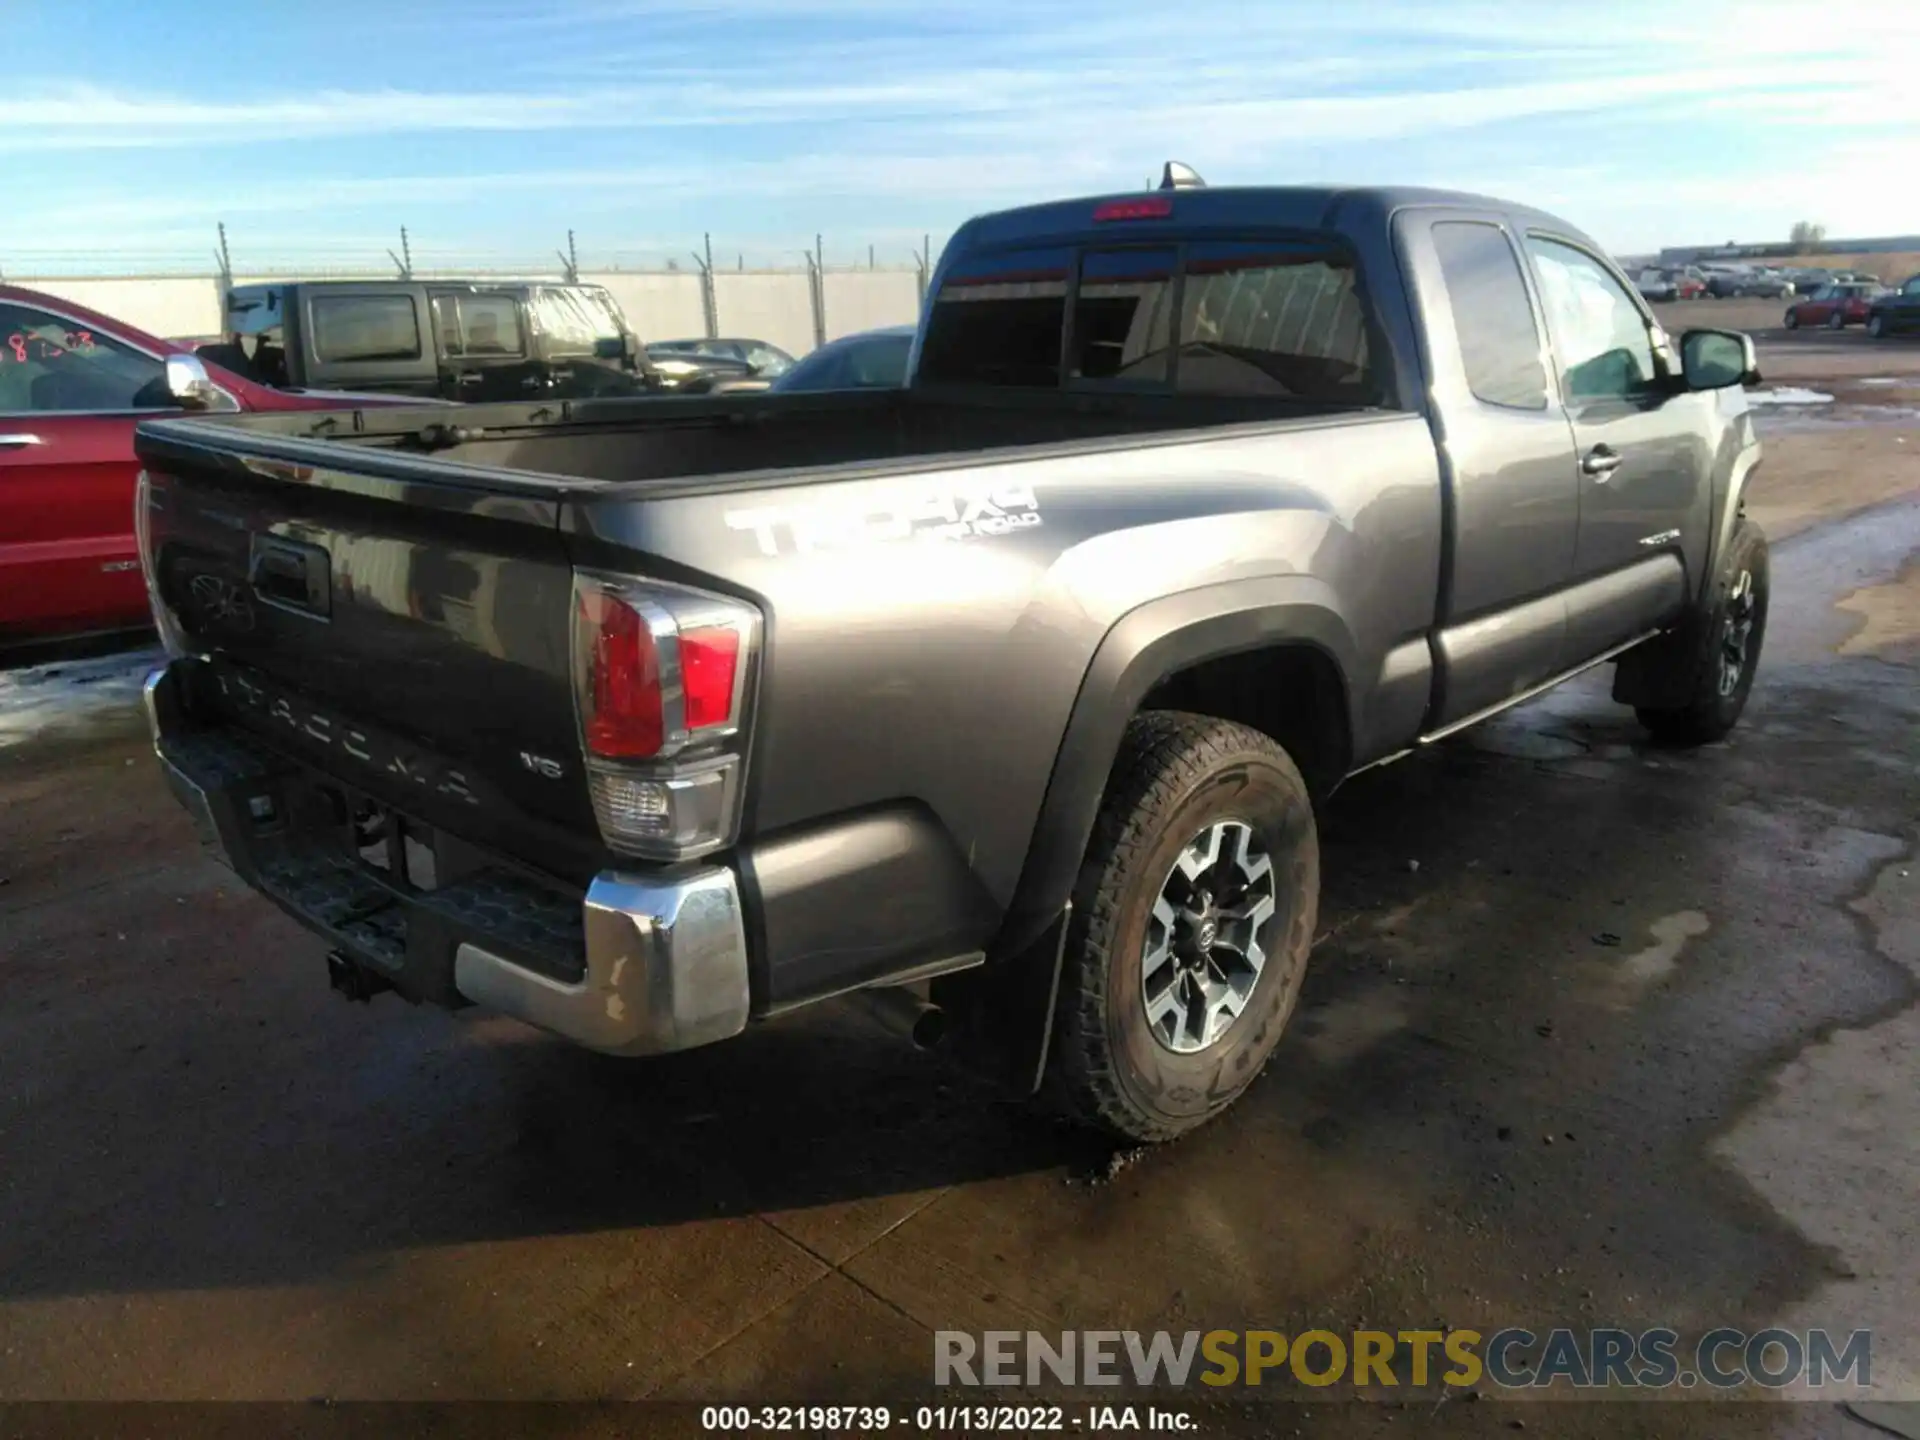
column 1272, row 318
column 999, row 319
column 1492, row 317
column 365, row 327
column 478, row 325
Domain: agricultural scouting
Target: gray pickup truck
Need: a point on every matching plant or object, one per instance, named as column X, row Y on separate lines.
column 1005, row 699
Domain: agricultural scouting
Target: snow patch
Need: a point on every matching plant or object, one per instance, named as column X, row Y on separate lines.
column 73, row 699
column 1788, row 395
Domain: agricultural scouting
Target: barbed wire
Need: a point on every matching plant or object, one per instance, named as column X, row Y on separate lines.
column 363, row 258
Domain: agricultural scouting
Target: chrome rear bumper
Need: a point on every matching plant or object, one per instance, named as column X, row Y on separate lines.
column 655, row 964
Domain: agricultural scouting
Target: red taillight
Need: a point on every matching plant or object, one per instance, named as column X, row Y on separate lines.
column 657, row 682
column 709, row 658
column 1153, row 207
column 622, row 693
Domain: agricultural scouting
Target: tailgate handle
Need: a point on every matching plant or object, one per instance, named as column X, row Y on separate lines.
column 292, row 575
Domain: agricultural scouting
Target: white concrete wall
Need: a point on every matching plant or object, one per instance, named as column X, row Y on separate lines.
column 766, row 305
column 163, row 307
column 657, row 306
column 868, row 299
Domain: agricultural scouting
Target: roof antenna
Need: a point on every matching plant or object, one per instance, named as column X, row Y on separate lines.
column 1179, row 176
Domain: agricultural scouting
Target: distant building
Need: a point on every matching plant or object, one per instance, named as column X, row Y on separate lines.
column 1783, row 250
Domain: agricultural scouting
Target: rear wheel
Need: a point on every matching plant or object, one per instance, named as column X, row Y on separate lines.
column 1837, row 320
column 1722, row 645
column 1192, row 921
column 1876, row 326
column 1793, row 320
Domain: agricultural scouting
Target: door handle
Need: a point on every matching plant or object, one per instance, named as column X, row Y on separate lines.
column 15, row 442
column 1600, row 462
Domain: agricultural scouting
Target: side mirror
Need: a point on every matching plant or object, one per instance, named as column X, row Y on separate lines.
column 1716, row 359
column 189, row 384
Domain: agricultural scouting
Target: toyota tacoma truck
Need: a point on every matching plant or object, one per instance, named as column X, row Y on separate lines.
column 1005, row 699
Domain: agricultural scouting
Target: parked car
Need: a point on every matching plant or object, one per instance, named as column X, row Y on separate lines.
column 1836, row 307
column 1763, row 284
column 1005, row 697
column 687, row 373
column 872, row 358
column 1657, row 285
column 467, row 340
column 1689, row 283
column 1723, row 283
column 765, row 361
column 1895, row 312
column 73, row 384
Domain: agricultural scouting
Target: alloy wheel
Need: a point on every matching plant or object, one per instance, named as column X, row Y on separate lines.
column 1737, row 636
column 1207, row 937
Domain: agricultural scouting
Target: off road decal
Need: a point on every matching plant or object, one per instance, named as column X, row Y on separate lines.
column 946, row 513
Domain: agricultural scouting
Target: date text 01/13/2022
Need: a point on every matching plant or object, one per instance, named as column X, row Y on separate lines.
column 944, row 1419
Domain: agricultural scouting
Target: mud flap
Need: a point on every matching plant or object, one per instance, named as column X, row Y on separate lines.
column 1659, row 674
column 1003, row 1012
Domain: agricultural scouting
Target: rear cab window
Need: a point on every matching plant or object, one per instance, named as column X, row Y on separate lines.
column 1273, row 318
column 1000, row 319
column 1280, row 318
column 1123, row 317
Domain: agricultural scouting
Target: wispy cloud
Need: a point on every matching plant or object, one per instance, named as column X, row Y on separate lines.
column 800, row 113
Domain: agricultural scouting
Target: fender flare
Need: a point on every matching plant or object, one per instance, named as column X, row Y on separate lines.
column 1659, row 674
column 1727, row 510
column 1142, row 648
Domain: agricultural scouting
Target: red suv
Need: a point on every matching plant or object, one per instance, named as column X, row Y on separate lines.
column 73, row 384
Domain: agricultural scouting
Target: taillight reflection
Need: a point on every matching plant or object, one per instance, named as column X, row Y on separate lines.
column 709, row 659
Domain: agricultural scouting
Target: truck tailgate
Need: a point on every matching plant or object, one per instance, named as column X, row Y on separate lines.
column 406, row 634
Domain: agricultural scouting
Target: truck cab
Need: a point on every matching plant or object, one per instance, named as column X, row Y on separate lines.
column 466, row 340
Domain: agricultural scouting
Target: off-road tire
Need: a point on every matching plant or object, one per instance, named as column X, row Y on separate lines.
column 1176, row 775
column 1708, row 714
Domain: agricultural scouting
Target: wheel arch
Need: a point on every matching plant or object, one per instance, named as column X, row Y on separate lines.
column 1149, row 647
column 1729, row 500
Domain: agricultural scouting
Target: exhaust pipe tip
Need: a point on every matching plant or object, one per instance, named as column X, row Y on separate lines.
column 904, row 1013
column 352, row 981
column 929, row 1031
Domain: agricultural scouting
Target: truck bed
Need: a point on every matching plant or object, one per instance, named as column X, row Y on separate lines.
column 584, row 446
column 931, row 572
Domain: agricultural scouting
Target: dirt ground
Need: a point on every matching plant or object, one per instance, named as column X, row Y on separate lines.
column 1596, row 1034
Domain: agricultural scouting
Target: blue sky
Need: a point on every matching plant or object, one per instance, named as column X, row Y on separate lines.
column 491, row 127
